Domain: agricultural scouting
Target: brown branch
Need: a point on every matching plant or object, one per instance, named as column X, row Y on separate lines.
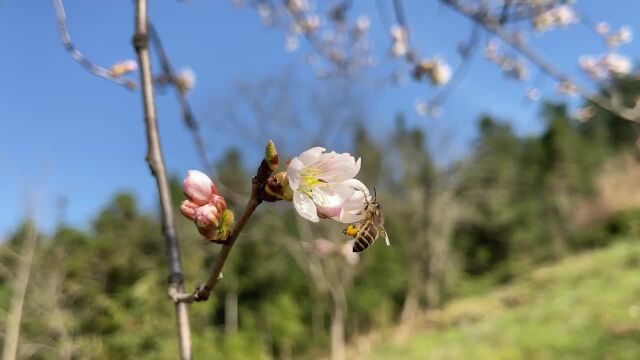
column 202, row 292
column 79, row 57
column 156, row 164
column 494, row 27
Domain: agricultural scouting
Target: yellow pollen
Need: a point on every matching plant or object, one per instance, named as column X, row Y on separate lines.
column 309, row 178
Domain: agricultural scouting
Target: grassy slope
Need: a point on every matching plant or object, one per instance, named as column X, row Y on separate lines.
column 584, row 307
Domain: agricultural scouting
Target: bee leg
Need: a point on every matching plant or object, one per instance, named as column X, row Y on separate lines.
column 386, row 237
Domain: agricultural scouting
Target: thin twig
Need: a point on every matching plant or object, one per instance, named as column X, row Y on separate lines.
column 458, row 75
column 188, row 117
column 546, row 67
column 79, row 57
column 156, row 164
column 202, row 292
column 398, row 10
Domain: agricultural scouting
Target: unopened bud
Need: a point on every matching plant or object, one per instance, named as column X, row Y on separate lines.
column 188, row 209
column 221, row 233
column 198, row 187
column 278, row 187
column 271, row 155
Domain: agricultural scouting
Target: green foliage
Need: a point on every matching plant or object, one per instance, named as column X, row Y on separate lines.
column 456, row 229
column 585, row 307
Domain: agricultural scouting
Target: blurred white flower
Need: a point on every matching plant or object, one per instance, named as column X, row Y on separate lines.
column 297, row 6
column 565, row 15
column 607, row 65
column 186, row 79
column 363, row 23
column 559, row 16
column 291, row 43
column 436, row 69
column 311, row 23
column 350, row 257
column 266, row 13
column 319, row 183
column 567, row 88
column 399, row 41
column 623, row 36
column 602, row 28
column 617, row 64
column 533, row 94
column 421, row 107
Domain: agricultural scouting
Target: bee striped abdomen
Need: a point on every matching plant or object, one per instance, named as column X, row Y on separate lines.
column 366, row 236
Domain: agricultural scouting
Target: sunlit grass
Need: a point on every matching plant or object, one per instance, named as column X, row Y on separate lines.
column 585, row 307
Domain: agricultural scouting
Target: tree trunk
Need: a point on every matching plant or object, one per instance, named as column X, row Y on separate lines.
column 337, row 333
column 410, row 306
column 231, row 312
column 14, row 317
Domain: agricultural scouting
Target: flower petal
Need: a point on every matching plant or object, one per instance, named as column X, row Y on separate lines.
column 312, row 155
column 353, row 208
column 198, row 187
column 336, row 167
column 293, row 173
column 305, row 206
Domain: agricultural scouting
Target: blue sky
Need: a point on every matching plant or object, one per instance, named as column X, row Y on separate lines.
column 64, row 132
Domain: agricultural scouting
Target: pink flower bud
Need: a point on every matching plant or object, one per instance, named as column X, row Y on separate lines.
column 219, row 202
column 198, row 187
column 188, row 209
column 207, row 216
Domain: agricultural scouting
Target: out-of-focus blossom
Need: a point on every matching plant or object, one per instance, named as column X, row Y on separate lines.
column 123, row 67
column 350, row 257
column 297, row 6
column 438, row 71
column 607, row 65
column 323, row 247
column 565, row 15
column 623, row 36
column 514, row 68
column 567, row 88
column 319, row 182
column 291, row 43
column 602, row 28
column 584, row 113
column 543, row 21
column 362, row 24
column 491, row 50
column 311, row 23
column 205, row 207
column 421, row 107
column 266, row 13
column 559, row 16
column 186, row 79
column 399, row 41
column 533, row 94
column 617, row 64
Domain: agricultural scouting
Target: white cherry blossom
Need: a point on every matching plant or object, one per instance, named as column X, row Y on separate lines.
column 319, row 181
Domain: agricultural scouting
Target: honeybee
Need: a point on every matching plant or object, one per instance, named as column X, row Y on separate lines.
column 369, row 228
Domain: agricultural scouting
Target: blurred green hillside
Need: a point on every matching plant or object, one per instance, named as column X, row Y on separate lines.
column 584, row 307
